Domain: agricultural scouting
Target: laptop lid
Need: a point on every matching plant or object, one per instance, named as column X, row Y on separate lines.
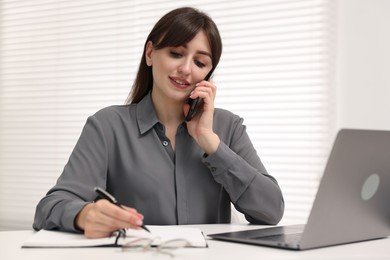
column 352, row 199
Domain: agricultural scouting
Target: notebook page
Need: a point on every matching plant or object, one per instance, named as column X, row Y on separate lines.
column 46, row 238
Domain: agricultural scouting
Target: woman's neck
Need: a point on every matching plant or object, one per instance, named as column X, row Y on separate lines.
column 169, row 112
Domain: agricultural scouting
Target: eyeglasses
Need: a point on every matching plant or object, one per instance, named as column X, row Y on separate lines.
column 120, row 233
column 147, row 244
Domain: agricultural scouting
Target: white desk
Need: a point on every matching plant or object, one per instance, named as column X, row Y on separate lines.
column 11, row 241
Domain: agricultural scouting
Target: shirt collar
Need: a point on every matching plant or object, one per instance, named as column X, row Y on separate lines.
column 146, row 115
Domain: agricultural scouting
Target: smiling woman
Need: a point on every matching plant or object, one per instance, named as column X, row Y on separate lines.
column 200, row 166
column 178, row 30
column 61, row 61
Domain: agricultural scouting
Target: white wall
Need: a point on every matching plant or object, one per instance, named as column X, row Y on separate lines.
column 363, row 64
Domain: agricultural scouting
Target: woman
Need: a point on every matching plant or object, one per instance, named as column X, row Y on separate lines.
column 152, row 160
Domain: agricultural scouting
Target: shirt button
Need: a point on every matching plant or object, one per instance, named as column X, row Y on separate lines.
column 213, row 169
column 165, row 143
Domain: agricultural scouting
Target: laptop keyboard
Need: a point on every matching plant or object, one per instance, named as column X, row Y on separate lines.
column 283, row 238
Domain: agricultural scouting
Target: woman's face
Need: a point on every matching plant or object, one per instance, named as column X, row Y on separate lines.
column 176, row 70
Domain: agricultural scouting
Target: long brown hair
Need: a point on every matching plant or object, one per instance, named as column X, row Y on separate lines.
column 174, row 29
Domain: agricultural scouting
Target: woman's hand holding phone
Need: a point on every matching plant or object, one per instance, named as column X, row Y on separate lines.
column 200, row 126
column 195, row 105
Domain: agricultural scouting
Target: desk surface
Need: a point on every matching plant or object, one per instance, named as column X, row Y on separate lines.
column 11, row 241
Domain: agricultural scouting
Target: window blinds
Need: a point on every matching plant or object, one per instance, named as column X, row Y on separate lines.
column 61, row 61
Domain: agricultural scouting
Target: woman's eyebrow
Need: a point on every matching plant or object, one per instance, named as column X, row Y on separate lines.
column 199, row 51
column 204, row 53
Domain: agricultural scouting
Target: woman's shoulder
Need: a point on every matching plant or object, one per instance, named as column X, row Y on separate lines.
column 227, row 121
column 222, row 115
column 114, row 119
column 114, row 109
column 114, row 112
column 228, row 125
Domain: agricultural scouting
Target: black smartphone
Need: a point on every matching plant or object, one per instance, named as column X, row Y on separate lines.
column 195, row 103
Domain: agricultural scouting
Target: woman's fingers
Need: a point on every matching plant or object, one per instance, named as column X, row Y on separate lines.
column 104, row 218
column 204, row 89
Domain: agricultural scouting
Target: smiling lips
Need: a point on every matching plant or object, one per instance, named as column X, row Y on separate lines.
column 180, row 83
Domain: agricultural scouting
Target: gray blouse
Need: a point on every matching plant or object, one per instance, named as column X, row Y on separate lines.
column 124, row 150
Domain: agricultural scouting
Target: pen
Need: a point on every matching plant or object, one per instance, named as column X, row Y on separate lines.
column 105, row 195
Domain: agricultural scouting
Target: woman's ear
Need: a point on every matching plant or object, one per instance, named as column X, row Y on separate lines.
column 148, row 53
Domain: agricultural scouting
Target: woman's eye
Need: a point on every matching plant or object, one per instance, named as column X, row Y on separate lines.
column 175, row 54
column 200, row 64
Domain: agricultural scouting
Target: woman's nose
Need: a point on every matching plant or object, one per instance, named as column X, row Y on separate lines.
column 185, row 68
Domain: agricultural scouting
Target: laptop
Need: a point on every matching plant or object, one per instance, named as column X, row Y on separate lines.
column 352, row 201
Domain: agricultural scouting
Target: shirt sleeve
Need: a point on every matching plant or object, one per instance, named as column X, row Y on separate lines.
column 237, row 167
column 86, row 169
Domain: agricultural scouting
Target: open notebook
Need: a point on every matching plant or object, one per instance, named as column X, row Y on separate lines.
column 159, row 234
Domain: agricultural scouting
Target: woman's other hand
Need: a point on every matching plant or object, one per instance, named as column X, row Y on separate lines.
column 100, row 219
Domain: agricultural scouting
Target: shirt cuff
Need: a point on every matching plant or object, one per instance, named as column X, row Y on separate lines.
column 230, row 170
column 70, row 213
column 221, row 160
